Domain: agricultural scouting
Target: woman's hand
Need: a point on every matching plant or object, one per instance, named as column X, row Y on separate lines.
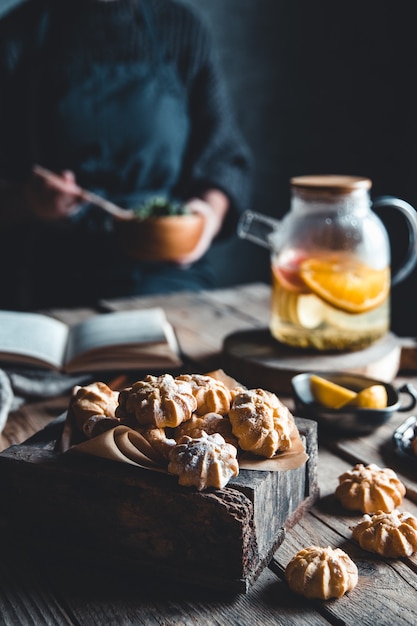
column 52, row 197
column 213, row 207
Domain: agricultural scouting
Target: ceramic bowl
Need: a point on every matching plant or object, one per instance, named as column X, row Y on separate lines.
column 350, row 419
column 164, row 238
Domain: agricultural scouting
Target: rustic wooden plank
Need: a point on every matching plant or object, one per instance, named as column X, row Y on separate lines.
column 70, row 316
column 31, row 418
column 95, row 597
column 330, row 511
column 98, row 597
column 408, row 361
column 382, row 595
column 149, row 519
column 377, row 448
column 25, row 596
column 202, row 320
column 219, row 538
column 251, row 301
column 195, row 319
column 366, row 453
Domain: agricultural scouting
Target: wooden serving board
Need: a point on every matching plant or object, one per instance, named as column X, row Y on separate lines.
column 256, row 359
column 103, row 511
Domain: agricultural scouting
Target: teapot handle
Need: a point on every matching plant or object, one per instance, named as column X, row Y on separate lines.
column 411, row 218
column 257, row 228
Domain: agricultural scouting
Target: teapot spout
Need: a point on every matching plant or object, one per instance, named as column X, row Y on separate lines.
column 257, row 228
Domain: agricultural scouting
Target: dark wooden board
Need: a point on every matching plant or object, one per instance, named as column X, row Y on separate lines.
column 107, row 511
column 256, row 359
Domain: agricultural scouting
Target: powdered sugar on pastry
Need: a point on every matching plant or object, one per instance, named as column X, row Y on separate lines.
column 203, row 462
column 210, row 423
column 157, row 401
column 261, row 422
column 370, row 488
column 388, row 534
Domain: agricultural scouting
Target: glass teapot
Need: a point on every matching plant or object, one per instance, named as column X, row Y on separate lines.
column 330, row 259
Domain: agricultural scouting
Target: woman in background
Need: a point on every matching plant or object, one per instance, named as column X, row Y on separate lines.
column 124, row 98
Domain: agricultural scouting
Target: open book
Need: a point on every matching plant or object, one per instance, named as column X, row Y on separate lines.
column 125, row 340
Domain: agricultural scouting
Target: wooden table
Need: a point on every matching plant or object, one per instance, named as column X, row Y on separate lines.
column 37, row 590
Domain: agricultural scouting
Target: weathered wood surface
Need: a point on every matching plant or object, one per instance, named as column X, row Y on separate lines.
column 378, row 447
column 221, row 538
column 386, row 590
column 40, row 587
column 203, row 320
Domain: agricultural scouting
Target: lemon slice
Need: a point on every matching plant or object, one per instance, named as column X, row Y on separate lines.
column 345, row 283
column 330, row 394
column 373, row 397
column 305, row 310
column 309, row 311
column 283, row 304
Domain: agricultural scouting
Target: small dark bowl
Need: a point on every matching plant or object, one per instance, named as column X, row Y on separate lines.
column 349, row 419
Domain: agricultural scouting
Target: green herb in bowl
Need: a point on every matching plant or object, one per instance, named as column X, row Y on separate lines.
column 159, row 207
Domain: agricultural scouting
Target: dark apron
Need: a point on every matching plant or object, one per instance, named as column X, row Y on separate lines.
column 123, row 128
column 124, row 131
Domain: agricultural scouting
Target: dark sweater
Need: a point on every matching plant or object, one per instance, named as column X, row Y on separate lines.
column 82, row 32
column 47, row 48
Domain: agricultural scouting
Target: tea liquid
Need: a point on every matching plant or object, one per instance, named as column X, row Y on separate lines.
column 328, row 302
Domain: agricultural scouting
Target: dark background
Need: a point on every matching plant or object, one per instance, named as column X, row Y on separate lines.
column 322, row 87
column 319, row 87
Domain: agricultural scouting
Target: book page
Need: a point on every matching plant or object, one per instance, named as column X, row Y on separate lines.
column 122, row 328
column 26, row 336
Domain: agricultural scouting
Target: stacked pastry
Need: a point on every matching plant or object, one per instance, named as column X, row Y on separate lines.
column 195, row 424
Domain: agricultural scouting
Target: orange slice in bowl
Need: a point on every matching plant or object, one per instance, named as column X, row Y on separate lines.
column 346, row 284
column 373, row 397
column 330, row 394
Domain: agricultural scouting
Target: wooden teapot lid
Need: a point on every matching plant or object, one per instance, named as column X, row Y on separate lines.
column 331, row 183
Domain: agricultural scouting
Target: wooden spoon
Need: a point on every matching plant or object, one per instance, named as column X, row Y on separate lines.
column 87, row 196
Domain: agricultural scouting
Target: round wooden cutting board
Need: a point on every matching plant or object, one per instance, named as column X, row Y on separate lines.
column 256, row 359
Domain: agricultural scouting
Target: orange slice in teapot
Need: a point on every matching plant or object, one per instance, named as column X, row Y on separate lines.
column 345, row 283
column 289, row 279
column 287, row 271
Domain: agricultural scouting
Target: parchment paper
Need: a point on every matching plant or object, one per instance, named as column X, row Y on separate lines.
column 126, row 445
